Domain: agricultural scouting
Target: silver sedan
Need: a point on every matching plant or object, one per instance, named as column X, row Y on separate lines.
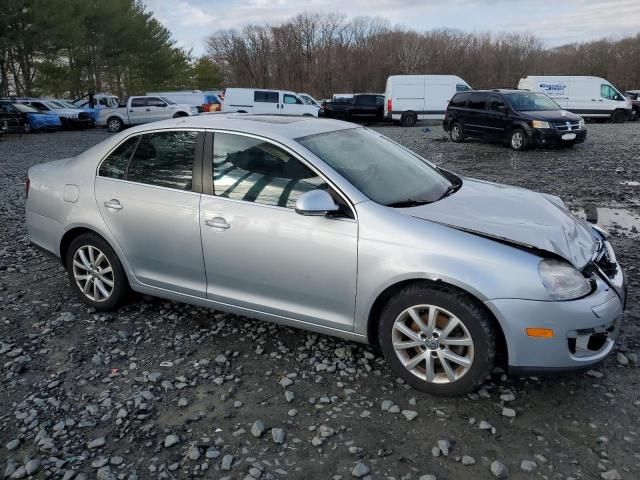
column 331, row 227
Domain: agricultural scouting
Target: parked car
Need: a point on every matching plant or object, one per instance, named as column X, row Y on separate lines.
column 100, row 100
column 27, row 119
column 142, row 109
column 521, row 119
column 409, row 98
column 331, row 227
column 589, row 97
column 93, row 112
column 363, row 105
column 70, row 118
column 205, row 101
column 250, row 100
column 634, row 96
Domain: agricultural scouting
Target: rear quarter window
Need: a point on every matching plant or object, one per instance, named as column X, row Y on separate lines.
column 477, row 101
column 115, row 165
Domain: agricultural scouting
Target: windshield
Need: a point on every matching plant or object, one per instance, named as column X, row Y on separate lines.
column 307, row 100
column 67, row 104
column 54, row 105
column 168, row 100
column 531, row 102
column 382, row 170
column 26, row 108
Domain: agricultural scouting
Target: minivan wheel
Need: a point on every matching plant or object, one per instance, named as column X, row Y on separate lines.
column 455, row 133
column 619, row 116
column 438, row 340
column 95, row 272
column 408, row 119
column 518, row 140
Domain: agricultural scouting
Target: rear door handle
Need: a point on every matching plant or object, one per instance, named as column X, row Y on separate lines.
column 217, row 222
column 113, row 204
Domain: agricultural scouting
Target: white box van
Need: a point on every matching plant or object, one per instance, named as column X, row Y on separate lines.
column 589, row 97
column 253, row 100
column 409, row 98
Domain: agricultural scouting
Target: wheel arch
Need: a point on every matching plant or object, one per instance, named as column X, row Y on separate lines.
column 383, row 297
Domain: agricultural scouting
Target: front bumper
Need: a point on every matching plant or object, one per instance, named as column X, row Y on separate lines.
column 548, row 136
column 585, row 330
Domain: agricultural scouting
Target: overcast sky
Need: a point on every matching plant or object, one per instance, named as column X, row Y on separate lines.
column 555, row 21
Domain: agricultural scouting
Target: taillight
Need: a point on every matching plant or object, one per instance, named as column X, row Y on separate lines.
column 389, row 109
column 27, row 184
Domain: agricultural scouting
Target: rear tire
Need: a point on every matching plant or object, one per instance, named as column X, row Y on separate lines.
column 408, row 119
column 180, row 114
column 451, row 353
column 456, row 133
column 114, row 124
column 518, row 140
column 619, row 116
column 95, row 272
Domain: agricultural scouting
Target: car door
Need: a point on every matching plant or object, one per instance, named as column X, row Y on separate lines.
column 475, row 115
column 497, row 117
column 138, row 111
column 145, row 193
column 261, row 255
column 157, row 109
column 293, row 105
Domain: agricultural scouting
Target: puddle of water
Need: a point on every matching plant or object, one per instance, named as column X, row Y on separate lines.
column 631, row 183
column 613, row 219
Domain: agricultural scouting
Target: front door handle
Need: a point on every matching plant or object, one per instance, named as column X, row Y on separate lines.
column 113, row 204
column 217, row 222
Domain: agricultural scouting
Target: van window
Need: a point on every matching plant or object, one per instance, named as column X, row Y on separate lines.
column 478, row 101
column 291, row 100
column 266, row 97
column 497, row 105
column 608, row 92
column 459, row 100
column 460, row 87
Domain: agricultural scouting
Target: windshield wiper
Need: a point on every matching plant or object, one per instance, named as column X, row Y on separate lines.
column 454, row 187
column 410, row 202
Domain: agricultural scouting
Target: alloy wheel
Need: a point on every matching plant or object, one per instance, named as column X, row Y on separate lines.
column 517, row 140
column 93, row 273
column 455, row 133
column 433, row 344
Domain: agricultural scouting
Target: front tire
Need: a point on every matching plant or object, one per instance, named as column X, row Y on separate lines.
column 455, row 133
column 95, row 273
column 619, row 116
column 438, row 340
column 518, row 140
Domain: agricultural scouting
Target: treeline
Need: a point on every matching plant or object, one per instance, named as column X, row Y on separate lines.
column 325, row 53
column 68, row 47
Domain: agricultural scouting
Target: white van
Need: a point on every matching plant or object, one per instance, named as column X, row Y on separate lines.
column 589, row 97
column 409, row 98
column 253, row 100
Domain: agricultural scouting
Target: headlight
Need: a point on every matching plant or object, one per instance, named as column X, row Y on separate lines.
column 562, row 281
column 581, row 123
column 540, row 124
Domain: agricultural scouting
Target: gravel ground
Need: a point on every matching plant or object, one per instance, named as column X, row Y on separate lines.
column 166, row 390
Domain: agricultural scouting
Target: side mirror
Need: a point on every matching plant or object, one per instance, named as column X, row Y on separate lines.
column 315, row 203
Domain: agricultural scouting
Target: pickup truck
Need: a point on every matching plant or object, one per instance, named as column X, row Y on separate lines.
column 363, row 105
column 144, row 109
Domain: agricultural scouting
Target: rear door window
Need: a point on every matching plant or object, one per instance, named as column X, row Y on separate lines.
column 164, row 159
column 366, row 100
column 139, row 102
column 478, row 101
column 497, row 105
column 115, row 165
column 266, row 97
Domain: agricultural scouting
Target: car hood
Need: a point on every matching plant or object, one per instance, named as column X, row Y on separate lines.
column 552, row 115
column 514, row 215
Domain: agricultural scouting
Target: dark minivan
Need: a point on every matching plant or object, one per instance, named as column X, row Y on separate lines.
column 521, row 118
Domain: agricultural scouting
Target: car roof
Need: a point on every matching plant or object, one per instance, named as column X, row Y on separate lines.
column 272, row 126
